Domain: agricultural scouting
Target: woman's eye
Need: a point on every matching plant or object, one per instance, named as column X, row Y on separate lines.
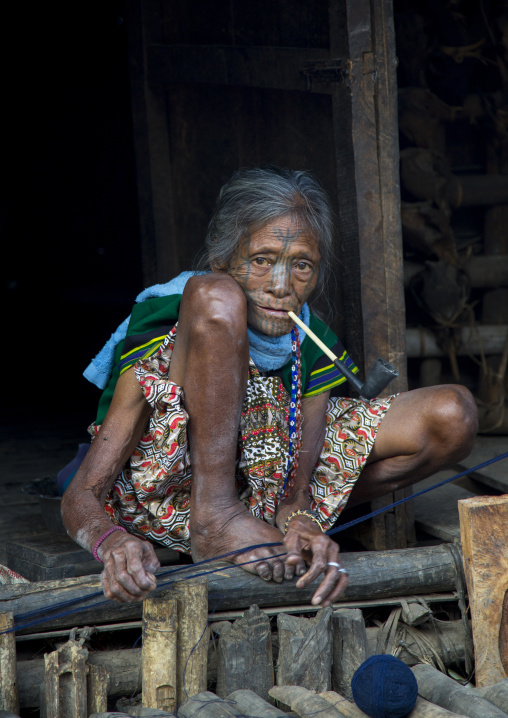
column 303, row 267
column 261, row 261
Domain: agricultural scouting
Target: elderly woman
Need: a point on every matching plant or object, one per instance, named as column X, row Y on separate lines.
column 216, row 432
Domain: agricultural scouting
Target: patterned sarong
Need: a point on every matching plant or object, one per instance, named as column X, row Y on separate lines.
column 151, row 497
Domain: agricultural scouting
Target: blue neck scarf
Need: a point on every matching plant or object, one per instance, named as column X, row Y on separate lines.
column 267, row 353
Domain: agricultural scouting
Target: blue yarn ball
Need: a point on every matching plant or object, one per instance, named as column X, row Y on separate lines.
column 384, row 687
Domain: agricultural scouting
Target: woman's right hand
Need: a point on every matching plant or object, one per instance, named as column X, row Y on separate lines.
column 129, row 567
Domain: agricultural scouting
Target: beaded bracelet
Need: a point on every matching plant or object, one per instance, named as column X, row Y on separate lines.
column 103, row 538
column 303, row 512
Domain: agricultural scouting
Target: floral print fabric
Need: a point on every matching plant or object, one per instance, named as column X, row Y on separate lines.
column 151, row 497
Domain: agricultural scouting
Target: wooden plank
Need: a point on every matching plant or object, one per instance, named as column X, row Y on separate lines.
column 485, row 271
column 483, row 521
column 263, row 67
column 437, row 512
column 50, row 556
column 371, row 575
column 485, row 448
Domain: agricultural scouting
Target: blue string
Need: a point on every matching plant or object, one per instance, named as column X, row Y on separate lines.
column 49, row 609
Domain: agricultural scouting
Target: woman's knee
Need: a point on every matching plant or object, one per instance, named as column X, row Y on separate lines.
column 214, row 301
column 454, row 418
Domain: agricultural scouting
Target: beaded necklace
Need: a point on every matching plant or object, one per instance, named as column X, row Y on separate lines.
column 295, row 414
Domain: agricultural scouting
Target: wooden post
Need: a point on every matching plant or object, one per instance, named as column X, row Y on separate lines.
column 159, row 653
column 97, row 689
column 9, row 700
column 65, row 681
column 435, row 687
column 350, row 648
column 305, row 651
column 193, row 637
column 483, row 529
column 245, row 658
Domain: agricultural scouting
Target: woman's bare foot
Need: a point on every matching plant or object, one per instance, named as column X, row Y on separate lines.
column 235, row 529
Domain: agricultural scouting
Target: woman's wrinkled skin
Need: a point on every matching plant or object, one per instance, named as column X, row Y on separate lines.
column 273, row 270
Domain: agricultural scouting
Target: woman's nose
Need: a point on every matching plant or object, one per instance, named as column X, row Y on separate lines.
column 280, row 282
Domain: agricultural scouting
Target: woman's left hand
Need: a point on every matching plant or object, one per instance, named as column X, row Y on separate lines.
column 304, row 540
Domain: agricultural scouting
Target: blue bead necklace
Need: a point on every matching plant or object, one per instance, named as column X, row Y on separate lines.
column 295, row 414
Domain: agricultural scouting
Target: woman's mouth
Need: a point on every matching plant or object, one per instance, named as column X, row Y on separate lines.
column 282, row 313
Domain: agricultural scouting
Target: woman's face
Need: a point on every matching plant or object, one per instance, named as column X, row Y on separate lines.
column 277, row 266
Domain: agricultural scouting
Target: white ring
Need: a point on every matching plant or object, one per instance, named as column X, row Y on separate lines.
column 332, row 563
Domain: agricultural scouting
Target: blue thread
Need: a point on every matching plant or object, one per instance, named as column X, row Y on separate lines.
column 73, row 601
column 384, row 687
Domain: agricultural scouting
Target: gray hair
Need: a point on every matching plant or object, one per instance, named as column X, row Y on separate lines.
column 254, row 197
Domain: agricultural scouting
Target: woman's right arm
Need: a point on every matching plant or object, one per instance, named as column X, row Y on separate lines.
column 129, row 563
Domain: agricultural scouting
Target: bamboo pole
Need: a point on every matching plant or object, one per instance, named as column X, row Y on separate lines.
column 9, row 700
column 193, row 637
column 159, row 653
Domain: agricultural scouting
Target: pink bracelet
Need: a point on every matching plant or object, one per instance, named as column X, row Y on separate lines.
column 103, row 538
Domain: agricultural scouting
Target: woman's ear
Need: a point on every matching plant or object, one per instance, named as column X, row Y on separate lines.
column 219, row 266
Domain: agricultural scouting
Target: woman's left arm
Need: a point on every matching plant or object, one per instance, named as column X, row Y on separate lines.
column 304, row 540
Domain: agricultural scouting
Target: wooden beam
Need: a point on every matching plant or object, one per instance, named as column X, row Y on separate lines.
column 371, row 575
column 483, row 338
column 279, row 68
column 483, row 522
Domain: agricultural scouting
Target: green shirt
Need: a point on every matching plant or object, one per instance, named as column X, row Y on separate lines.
column 152, row 320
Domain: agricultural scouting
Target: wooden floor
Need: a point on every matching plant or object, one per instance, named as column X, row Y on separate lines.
column 43, row 449
column 26, row 454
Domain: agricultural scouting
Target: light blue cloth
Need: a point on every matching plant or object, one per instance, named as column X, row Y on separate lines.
column 267, row 353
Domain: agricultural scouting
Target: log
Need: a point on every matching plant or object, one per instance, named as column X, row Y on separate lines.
column 484, row 271
column 487, row 338
column 483, row 521
column 306, row 703
column 496, row 694
column 97, row 689
column 350, row 648
column 192, row 637
column 207, row 704
column 372, row 574
column 305, row 651
column 495, row 237
column 123, row 670
column 249, row 703
column 426, row 642
column 65, row 682
column 159, row 653
column 245, row 659
column 422, row 709
column 9, row 698
column 438, row 688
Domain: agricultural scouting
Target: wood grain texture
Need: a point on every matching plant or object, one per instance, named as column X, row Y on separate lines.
column 9, row 698
column 371, row 575
column 305, row 651
column 159, row 653
column 447, row 693
column 483, row 522
column 65, row 681
column 350, row 648
column 245, row 659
